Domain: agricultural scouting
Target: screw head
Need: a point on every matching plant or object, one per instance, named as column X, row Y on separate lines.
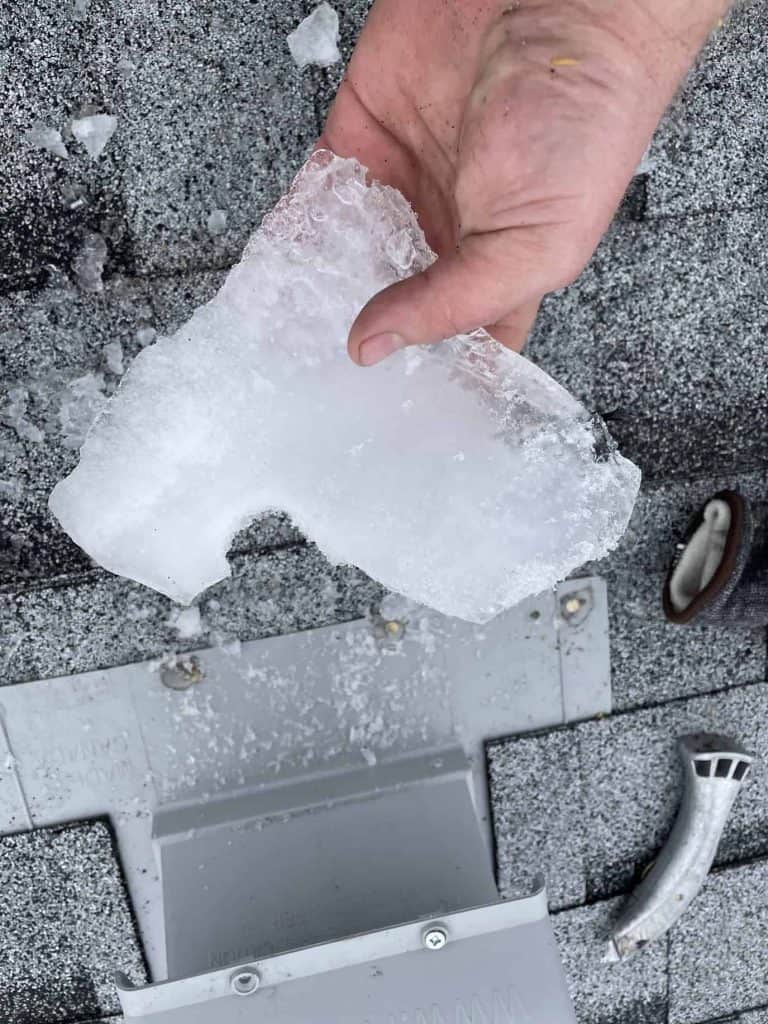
column 245, row 981
column 182, row 673
column 394, row 629
column 435, row 937
column 573, row 605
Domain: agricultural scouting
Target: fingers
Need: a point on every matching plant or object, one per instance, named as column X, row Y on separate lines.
column 478, row 284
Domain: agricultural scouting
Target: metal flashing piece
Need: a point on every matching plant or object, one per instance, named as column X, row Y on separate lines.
column 499, row 963
column 293, row 865
column 241, row 739
column 715, row 770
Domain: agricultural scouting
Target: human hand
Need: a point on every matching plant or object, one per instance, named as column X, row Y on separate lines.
column 513, row 129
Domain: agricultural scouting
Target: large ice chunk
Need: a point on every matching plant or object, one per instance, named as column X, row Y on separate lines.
column 459, row 475
column 316, row 39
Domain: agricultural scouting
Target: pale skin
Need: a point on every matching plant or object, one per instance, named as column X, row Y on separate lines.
column 513, row 128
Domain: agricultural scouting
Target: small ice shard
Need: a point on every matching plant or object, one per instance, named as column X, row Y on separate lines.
column 217, row 222
column 254, row 404
column 126, row 66
column 94, row 132
column 88, row 265
column 187, row 622
column 11, row 490
column 42, row 137
column 145, row 336
column 82, row 401
column 81, row 9
column 646, row 164
column 13, row 413
column 316, row 39
column 113, row 353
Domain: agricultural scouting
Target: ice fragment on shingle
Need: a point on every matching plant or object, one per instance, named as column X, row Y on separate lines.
column 646, row 164
column 254, row 404
column 316, row 39
column 88, row 265
column 113, row 353
column 81, row 402
column 145, row 336
column 187, row 622
column 80, row 8
column 42, row 137
column 94, row 132
column 217, row 222
column 13, row 413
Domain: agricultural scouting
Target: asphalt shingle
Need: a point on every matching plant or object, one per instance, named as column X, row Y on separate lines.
column 101, row 621
column 598, row 836
column 717, row 959
column 632, row 992
column 67, row 925
column 711, row 151
column 535, row 774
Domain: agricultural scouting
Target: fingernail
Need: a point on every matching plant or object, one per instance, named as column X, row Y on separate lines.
column 378, row 347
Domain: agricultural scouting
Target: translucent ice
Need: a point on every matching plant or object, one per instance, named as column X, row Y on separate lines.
column 88, row 265
column 254, row 404
column 316, row 39
column 42, row 137
column 81, row 402
column 94, row 132
column 646, row 164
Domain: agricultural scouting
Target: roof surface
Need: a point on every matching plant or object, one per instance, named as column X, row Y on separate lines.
column 664, row 334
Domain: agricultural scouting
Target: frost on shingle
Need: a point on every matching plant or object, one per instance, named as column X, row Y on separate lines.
column 458, row 475
column 316, row 39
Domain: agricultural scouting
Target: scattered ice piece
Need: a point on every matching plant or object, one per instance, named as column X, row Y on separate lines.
column 13, row 413
column 81, row 9
column 316, row 39
column 94, row 132
column 11, row 490
column 88, row 265
column 42, row 137
column 646, row 164
column 217, row 222
column 145, row 336
column 113, row 353
column 82, row 401
column 254, row 404
column 187, row 622
column 369, row 757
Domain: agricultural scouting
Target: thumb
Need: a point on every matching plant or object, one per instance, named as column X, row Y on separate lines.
column 480, row 283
